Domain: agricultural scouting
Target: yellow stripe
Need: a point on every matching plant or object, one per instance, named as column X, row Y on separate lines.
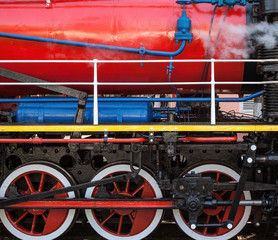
column 139, row 128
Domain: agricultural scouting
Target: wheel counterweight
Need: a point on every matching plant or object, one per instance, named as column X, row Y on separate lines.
column 219, row 173
column 37, row 224
column 127, row 224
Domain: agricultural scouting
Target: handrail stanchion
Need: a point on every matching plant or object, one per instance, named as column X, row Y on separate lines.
column 212, row 103
column 95, row 93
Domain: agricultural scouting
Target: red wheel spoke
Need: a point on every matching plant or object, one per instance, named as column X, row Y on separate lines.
column 138, row 190
column 34, row 223
column 56, row 186
column 218, row 218
column 217, row 177
column 221, row 231
column 44, row 217
column 22, row 192
column 120, row 224
column 22, row 216
column 29, row 183
column 41, row 183
column 131, row 217
column 223, row 193
column 232, row 195
column 116, row 187
column 107, row 219
column 207, row 222
column 127, row 185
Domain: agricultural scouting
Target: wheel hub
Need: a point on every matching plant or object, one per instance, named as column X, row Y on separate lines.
column 36, row 212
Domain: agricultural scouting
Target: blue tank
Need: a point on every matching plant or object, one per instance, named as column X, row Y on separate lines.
column 109, row 112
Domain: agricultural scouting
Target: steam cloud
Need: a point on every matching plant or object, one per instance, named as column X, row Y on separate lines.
column 254, row 35
column 264, row 33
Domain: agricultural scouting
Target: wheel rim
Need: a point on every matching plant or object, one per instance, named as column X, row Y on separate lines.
column 125, row 224
column 221, row 174
column 36, row 223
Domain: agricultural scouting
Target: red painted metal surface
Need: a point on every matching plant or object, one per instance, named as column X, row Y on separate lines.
column 125, row 204
column 112, row 140
column 136, row 23
column 88, row 140
column 209, row 139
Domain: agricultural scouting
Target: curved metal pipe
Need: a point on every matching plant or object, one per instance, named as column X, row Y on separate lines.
column 60, row 99
column 141, row 50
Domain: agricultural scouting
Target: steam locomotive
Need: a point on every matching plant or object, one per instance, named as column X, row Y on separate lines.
column 110, row 111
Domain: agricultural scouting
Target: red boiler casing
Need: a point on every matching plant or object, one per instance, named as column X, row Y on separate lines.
column 127, row 23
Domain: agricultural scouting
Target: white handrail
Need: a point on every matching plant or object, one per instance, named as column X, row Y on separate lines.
column 95, row 94
column 212, row 94
column 96, row 83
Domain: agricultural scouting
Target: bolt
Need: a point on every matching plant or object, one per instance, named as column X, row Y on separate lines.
column 229, row 226
column 259, row 171
column 151, row 134
column 151, row 140
column 193, row 205
column 193, row 226
column 257, row 224
column 181, row 187
column 12, row 148
column 253, row 147
column 249, row 160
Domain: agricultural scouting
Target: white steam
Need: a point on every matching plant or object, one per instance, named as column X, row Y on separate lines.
column 240, row 41
column 265, row 34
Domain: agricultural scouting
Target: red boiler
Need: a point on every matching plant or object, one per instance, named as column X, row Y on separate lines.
column 138, row 23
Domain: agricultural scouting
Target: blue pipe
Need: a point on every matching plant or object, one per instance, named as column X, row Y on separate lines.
column 141, row 50
column 218, row 2
column 60, row 99
column 172, row 109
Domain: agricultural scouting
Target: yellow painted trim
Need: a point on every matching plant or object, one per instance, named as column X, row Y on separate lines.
column 139, row 128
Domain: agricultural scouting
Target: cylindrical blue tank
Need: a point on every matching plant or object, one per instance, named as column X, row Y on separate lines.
column 109, row 112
